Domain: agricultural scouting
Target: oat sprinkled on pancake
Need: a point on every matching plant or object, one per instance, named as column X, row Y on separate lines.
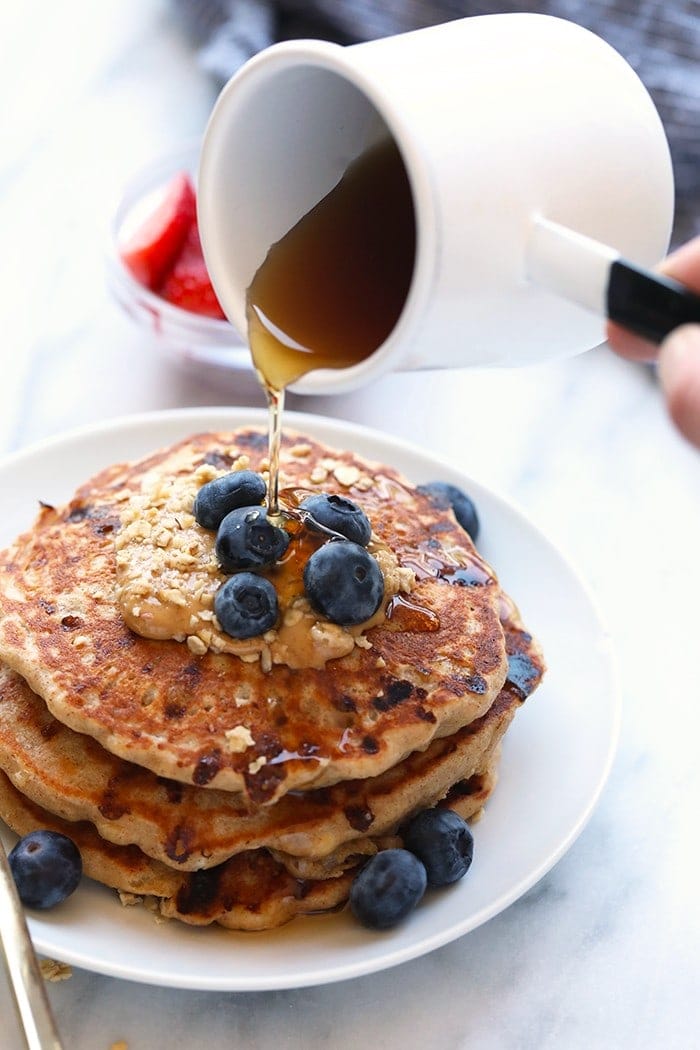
column 435, row 662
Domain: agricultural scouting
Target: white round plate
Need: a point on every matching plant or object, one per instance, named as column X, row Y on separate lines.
column 555, row 759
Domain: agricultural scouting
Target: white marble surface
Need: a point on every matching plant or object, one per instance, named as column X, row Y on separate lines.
column 605, row 950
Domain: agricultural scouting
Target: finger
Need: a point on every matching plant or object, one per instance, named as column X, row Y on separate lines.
column 679, row 373
column 628, row 345
column 684, row 266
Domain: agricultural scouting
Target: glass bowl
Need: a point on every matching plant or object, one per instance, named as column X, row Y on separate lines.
column 188, row 338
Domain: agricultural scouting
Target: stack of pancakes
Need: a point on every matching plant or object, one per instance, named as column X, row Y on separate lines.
column 235, row 790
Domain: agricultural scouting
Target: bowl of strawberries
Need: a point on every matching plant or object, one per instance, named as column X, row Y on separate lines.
column 156, row 267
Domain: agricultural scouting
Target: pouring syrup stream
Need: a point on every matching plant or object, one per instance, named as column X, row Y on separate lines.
column 331, row 290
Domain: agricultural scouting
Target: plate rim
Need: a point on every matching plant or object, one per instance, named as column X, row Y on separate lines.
column 322, row 973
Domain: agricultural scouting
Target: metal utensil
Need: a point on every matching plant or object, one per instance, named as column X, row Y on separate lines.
column 25, row 977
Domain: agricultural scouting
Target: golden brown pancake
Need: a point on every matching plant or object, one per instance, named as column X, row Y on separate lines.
column 253, row 890
column 436, row 665
column 190, row 828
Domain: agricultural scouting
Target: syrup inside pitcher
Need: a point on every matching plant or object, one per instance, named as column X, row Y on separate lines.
column 329, row 292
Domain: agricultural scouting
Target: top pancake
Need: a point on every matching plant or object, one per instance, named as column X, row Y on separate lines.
column 433, row 667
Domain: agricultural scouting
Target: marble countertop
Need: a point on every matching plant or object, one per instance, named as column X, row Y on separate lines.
column 605, row 950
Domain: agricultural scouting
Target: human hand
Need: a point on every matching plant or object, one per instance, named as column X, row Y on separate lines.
column 678, row 356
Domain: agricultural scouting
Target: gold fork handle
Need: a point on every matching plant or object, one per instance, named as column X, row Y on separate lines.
column 23, row 969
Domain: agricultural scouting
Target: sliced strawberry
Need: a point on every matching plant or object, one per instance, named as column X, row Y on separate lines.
column 151, row 250
column 188, row 285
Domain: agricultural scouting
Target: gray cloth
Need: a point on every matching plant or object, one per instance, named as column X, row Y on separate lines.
column 659, row 38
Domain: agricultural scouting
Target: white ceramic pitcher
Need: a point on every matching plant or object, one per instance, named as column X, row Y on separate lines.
column 514, row 129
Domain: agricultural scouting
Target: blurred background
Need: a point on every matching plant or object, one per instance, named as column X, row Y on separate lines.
column 660, row 40
column 93, row 93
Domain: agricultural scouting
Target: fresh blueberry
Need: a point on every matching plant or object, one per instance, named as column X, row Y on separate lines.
column 247, row 540
column 246, row 605
column 343, row 582
column 443, row 842
column 387, row 888
column 444, row 495
column 219, row 497
column 340, row 515
column 522, row 673
column 46, row 868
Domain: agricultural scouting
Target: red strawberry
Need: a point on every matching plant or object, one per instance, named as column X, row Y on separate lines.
column 151, row 250
column 188, row 285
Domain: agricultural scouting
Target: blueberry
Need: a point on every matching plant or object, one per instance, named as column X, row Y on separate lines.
column 246, row 605
column 444, row 495
column 217, row 498
column 387, row 888
column 247, row 540
column 339, row 514
column 444, row 843
column 46, row 868
column 343, row 582
column 522, row 673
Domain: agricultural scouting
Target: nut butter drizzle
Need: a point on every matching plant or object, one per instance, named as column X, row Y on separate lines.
column 331, row 290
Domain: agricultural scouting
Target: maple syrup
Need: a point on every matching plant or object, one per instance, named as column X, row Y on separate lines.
column 406, row 615
column 331, row 290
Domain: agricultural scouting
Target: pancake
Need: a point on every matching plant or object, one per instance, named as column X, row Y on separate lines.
column 191, row 828
column 436, row 664
column 253, row 890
